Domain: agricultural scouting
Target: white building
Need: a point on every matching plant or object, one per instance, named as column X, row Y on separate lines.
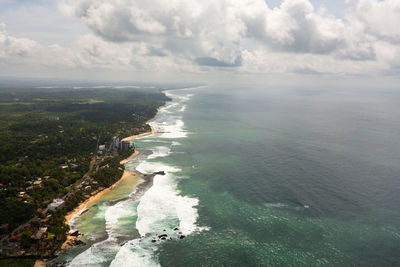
column 57, row 203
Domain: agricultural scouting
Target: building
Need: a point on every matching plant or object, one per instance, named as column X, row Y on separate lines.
column 39, row 234
column 37, row 183
column 115, row 143
column 125, row 145
column 64, row 166
column 56, row 204
column 102, row 150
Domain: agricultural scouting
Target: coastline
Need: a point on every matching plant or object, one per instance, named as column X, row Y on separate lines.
column 129, row 158
column 99, row 195
column 129, row 138
column 88, row 203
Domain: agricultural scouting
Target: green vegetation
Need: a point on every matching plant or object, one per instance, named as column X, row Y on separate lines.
column 48, row 139
column 17, row 262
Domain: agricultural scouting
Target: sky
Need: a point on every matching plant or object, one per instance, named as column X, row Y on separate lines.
column 276, row 41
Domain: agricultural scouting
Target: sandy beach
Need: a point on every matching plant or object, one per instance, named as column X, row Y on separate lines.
column 93, row 199
column 129, row 158
column 88, row 203
column 129, row 138
column 135, row 176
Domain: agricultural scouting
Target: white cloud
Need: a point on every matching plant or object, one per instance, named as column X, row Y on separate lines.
column 14, row 47
column 379, row 18
column 226, row 35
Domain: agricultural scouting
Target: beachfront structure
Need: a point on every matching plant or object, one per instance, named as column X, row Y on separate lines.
column 126, row 145
column 116, row 143
column 57, row 203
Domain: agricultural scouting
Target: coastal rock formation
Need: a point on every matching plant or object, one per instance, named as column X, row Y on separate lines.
column 75, row 233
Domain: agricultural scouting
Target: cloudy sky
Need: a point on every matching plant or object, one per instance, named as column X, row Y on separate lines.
column 299, row 40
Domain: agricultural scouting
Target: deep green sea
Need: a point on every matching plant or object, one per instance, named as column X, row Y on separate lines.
column 260, row 176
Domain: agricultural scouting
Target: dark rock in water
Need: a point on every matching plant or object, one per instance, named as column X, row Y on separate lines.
column 176, row 228
column 75, row 233
column 182, row 237
column 163, row 235
column 159, row 173
column 163, row 238
column 180, row 233
column 164, row 230
column 86, row 210
column 78, row 243
column 113, row 202
column 170, row 238
column 153, row 240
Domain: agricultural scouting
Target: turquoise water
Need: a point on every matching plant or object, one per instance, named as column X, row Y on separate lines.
column 265, row 177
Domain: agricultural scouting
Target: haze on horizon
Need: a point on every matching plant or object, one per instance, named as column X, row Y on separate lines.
column 282, row 42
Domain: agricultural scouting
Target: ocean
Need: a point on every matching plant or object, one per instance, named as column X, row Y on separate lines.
column 258, row 176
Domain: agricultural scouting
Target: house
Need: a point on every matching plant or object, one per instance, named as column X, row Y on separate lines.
column 56, row 204
column 102, row 149
column 64, row 166
column 37, row 183
column 38, row 235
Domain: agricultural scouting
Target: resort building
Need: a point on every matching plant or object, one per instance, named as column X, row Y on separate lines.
column 125, row 145
column 115, row 143
column 57, row 203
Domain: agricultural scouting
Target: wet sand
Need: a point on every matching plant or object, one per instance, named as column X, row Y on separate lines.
column 94, row 199
column 132, row 179
column 130, row 157
column 129, row 138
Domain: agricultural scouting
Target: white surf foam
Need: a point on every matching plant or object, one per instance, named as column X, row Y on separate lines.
column 150, row 167
column 96, row 255
column 159, row 152
column 113, row 216
column 73, row 219
column 136, row 253
column 171, row 130
column 175, row 143
column 162, row 207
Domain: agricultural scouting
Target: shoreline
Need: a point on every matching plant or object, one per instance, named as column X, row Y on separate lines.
column 97, row 197
column 88, row 203
column 130, row 138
